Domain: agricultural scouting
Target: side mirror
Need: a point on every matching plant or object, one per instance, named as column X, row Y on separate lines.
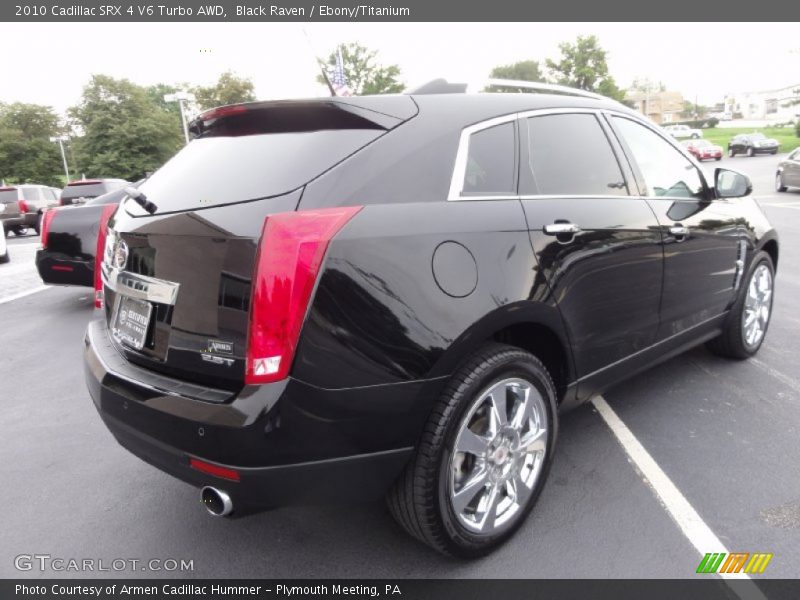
column 731, row 184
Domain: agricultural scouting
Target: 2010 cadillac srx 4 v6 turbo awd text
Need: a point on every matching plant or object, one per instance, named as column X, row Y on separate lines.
column 345, row 298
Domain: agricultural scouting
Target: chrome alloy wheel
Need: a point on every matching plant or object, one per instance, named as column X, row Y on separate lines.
column 498, row 456
column 757, row 306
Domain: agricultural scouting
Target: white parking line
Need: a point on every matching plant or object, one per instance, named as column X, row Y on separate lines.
column 23, row 294
column 691, row 524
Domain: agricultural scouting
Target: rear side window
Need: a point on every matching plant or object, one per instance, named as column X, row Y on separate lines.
column 219, row 170
column 570, row 155
column 666, row 171
column 490, row 161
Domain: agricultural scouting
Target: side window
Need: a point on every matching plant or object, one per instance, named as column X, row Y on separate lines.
column 666, row 171
column 569, row 154
column 30, row 193
column 490, row 162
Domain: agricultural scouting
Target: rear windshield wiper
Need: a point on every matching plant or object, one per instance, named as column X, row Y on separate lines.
column 141, row 199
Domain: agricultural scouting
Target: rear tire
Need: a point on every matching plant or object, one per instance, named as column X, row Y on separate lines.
column 38, row 227
column 5, row 258
column 20, row 230
column 734, row 341
column 467, row 502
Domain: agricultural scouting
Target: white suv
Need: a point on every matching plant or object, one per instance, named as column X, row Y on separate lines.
column 682, row 132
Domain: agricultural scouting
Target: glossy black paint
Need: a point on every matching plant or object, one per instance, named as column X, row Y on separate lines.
column 387, row 324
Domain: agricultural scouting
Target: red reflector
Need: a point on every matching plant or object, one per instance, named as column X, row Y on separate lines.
column 289, row 256
column 46, row 218
column 105, row 216
column 215, row 470
column 67, row 268
column 23, row 206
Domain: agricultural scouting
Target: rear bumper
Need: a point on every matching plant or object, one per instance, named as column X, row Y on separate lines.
column 282, row 454
column 59, row 269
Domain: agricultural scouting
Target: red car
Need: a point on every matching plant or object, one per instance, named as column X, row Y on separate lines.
column 703, row 149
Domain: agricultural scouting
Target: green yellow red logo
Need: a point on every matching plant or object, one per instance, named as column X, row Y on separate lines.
column 734, row 562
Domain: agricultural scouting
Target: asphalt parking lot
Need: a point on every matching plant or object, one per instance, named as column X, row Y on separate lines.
column 725, row 433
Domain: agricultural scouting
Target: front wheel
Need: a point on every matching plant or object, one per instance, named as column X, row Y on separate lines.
column 751, row 152
column 779, row 187
column 483, row 457
column 746, row 325
column 731, row 153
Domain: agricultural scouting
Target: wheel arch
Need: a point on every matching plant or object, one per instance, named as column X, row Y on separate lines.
column 770, row 246
column 534, row 327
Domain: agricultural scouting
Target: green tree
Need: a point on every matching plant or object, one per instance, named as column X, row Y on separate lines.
column 26, row 153
column 583, row 65
column 363, row 73
column 524, row 70
column 229, row 89
column 121, row 130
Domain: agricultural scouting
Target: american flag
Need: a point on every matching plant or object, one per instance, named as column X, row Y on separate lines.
column 338, row 80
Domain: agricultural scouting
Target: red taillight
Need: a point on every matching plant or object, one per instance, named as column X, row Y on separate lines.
column 215, row 470
column 23, row 206
column 65, row 268
column 108, row 211
column 47, row 216
column 289, row 257
column 223, row 111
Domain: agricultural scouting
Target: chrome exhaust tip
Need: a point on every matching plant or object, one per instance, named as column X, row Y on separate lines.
column 217, row 502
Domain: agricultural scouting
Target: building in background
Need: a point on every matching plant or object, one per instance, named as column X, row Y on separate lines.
column 661, row 107
column 779, row 105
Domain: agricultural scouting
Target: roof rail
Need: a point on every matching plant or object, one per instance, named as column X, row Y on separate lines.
column 544, row 87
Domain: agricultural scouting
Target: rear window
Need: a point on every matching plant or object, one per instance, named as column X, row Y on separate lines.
column 218, row 170
column 84, row 190
column 29, row 193
column 7, row 196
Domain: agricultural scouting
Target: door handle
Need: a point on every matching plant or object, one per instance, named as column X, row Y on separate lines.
column 679, row 231
column 562, row 228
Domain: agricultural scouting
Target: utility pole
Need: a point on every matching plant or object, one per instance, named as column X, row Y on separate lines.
column 181, row 98
column 61, row 139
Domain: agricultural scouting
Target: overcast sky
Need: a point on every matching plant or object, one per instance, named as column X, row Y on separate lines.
column 49, row 63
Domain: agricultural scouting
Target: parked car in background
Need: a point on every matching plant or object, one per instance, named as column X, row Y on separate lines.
column 408, row 297
column 4, row 256
column 788, row 173
column 69, row 240
column 78, row 192
column 681, row 132
column 703, row 149
column 752, row 144
column 25, row 204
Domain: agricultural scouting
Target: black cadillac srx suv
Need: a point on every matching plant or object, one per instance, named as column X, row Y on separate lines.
column 343, row 298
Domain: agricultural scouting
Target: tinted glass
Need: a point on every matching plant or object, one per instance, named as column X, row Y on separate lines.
column 219, row 170
column 666, row 171
column 30, row 193
column 490, row 161
column 7, row 196
column 89, row 190
column 570, row 155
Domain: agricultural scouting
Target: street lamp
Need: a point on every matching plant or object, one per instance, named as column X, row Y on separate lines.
column 61, row 139
column 181, row 98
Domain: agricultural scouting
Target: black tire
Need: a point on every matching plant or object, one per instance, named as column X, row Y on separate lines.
column 38, row 226
column 419, row 499
column 731, row 343
column 5, row 258
column 718, row 158
column 20, row 230
column 774, row 152
column 751, row 152
column 695, row 136
column 779, row 187
column 731, row 152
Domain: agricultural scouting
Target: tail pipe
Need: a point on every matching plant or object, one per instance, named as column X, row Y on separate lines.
column 217, row 502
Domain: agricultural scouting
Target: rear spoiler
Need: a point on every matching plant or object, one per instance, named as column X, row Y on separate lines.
column 282, row 116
